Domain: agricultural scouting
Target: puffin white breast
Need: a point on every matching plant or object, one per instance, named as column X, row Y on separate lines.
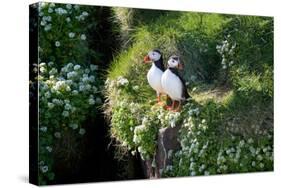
column 172, row 85
column 154, row 76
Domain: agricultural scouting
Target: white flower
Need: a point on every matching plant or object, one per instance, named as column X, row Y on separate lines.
column 169, row 167
column 73, row 125
column 170, row 154
column 91, row 101
column 47, row 94
column 93, row 67
column 57, row 44
column 206, row 173
column 52, row 5
column 67, row 106
column 50, row 10
column 241, row 143
column 173, row 123
column 43, row 129
column 43, row 64
column 65, row 113
column 98, row 100
column 84, row 13
column 61, row 85
column 77, row 67
column 57, row 101
column 250, row 141
column 47, row 18
column 44, row 169
column 50, row 105
column 60, row 11
column 81, row 88
column 253, row 164
column 87, row 71
column 42, row 69
column 88, row 87
column 136, row 88
column 85, row 79
column 83, row 37
column 53, row 71
column 57, row 134
column 68, row 19
column 82, row 131
column 261, row 165
column 74, row 92
column 224, row 66
column 259, row 157
column 41, row 13
column 92, row 78
column 69, row 6
column 193, row 173
column 48, row 27
column 69, row 65
column 122, row 81
column 49, row 149
column 43, row 23
column 50, row 64
column 71, row 35
column 71, row 75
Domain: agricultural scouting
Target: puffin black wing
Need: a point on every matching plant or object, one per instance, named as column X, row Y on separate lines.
column 159, row 64
column 184, row 88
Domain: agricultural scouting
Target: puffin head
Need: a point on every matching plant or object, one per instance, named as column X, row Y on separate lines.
column 153, row 55
column 174, row 62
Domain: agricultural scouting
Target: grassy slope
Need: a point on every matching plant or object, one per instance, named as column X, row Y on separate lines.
column 241, row 107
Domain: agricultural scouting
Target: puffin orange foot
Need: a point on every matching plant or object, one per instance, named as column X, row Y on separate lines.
column 167, row 107
column 160, row 103
column 176, row 110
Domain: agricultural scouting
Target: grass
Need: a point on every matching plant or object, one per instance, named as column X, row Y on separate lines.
column 234, row 102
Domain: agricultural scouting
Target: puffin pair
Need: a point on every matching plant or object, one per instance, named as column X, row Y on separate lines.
column 167, row 81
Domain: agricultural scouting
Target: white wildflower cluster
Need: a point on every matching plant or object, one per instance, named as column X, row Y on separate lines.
column 123, row 125
column 203, row 47
column 198, row 143
column 46, row 22
column 170, row 118
column 60, row 11
column 48, row 11
column 82, row 16
column 121, row 81
column 43, row 167
column 227, row 50
column 141, row 137
column 240, row 155
column 59, row 91
column 144, row 138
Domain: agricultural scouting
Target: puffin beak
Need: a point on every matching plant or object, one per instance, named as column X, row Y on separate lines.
column 146, row 59
column 180, row 66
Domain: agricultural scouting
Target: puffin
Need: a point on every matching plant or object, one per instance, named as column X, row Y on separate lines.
column 173, row 84
column 156, row 71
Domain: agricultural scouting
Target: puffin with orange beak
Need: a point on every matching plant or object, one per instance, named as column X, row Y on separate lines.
column 156, row 71
column 173, row 84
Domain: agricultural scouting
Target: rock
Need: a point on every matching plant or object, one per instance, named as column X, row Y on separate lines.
column 167, row 141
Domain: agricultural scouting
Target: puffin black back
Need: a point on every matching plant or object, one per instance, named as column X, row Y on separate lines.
column 106, row 105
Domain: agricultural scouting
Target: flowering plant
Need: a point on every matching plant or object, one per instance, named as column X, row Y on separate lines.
column 69, row 85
